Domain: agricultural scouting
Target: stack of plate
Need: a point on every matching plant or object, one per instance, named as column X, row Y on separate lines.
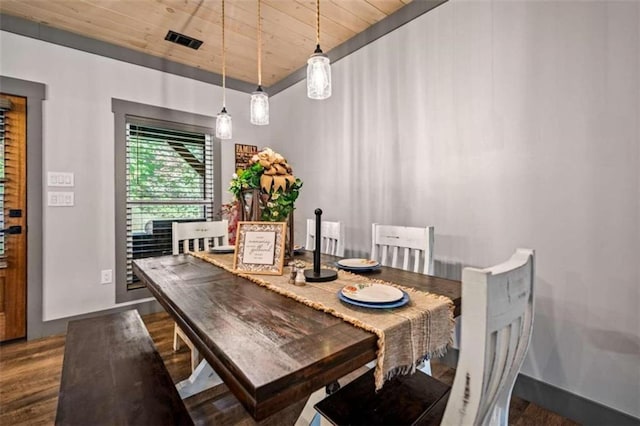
column 222, row 249
column 358, row 265
column 373, row 295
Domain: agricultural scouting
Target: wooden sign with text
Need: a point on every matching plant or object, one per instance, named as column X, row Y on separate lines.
column 244, row 154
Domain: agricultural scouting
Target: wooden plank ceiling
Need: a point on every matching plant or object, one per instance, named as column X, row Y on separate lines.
column 288, row 26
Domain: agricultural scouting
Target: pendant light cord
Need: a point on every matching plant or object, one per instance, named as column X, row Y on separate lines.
column 224, row 64
column 318, row 22
column 259, row 47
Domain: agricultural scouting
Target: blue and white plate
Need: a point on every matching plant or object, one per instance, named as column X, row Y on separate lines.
column 359, row 269
column 396, row 304
column 358, row 263
column 372, row 292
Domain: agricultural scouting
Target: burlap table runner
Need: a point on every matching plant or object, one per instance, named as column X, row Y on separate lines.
column 406, row 336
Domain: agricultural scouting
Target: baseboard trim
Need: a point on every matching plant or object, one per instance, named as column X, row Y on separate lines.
column 59, row 326
column 560, row 401
column 569, row 405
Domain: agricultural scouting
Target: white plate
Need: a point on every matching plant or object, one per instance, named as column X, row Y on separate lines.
column 396, row 304
column 223, row 249
column 372, row 293
column 358, row 263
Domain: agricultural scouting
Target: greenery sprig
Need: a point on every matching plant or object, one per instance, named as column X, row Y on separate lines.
column 248, row 178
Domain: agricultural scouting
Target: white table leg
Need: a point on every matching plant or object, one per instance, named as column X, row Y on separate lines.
column 202, row 378
column 308, row 414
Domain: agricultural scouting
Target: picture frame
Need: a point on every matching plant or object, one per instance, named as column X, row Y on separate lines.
column 260, row 248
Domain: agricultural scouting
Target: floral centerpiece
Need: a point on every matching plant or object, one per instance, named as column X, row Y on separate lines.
column 270, row 174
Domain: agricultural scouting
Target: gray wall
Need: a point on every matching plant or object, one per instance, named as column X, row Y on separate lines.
column 78, row 136
column 504, row 125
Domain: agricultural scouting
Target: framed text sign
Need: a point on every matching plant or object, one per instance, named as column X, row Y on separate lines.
column 260, row 247
column 244, row 154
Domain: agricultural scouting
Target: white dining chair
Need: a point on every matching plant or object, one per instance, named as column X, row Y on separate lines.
column 198, row 235
column 332, row 237
column 497, row 320
column 413, row 245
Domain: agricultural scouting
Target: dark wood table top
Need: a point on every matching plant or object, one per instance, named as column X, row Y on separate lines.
column 269, row 349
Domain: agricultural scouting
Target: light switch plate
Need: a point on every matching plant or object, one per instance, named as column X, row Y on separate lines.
column 60, row 199
column 60, row 179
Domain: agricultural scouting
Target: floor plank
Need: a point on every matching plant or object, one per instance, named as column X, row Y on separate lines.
column 30, row 380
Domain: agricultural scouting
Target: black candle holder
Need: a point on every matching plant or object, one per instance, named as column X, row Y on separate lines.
column 316, row 274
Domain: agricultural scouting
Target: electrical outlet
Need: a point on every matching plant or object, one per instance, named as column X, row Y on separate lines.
column 106, row 276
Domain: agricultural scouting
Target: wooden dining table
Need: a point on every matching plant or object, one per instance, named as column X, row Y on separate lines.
column 270, row 350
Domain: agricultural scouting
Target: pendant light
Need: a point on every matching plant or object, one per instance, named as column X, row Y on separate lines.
column 318, row 68
column 223, row 120
column 259, row 98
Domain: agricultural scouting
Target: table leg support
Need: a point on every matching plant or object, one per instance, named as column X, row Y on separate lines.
column 202, row 378
column 317, row 396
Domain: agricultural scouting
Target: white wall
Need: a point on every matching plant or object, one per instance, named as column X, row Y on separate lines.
column 78, row 137
column 504, row 124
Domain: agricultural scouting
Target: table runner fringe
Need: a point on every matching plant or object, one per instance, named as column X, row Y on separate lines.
column 403, row 370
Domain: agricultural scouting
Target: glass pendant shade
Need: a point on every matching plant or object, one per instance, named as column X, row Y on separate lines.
column 259, row 107
column 223, row 125
column 318, row 76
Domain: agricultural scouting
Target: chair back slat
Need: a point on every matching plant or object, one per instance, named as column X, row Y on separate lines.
column 419, row 241
column 383, row 257
column 497, row 319
column 190, row 234
column 416, row 261
column 332, row 237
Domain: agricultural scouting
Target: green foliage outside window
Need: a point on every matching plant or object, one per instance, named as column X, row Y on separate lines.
column 168, row 170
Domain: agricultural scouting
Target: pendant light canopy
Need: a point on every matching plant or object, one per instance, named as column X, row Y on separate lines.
column 259, row 98
column 223, row 120
column 318, row 67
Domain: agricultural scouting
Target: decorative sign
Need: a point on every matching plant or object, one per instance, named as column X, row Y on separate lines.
column 260, row 247
column 244, row 154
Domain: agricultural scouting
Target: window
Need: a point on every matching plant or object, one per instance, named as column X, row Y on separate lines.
column 167, row 168
column 169, row 178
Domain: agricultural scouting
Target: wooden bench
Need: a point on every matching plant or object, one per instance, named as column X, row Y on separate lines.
column 112, row 374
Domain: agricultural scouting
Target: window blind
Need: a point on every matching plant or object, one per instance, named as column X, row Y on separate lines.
column 169, row 178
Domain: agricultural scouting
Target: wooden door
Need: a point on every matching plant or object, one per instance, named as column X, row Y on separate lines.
column 13, row 217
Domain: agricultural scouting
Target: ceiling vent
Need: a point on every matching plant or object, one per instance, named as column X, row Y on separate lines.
column 183, row 40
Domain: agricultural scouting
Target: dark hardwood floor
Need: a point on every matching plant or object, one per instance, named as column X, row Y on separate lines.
column 30, row 378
